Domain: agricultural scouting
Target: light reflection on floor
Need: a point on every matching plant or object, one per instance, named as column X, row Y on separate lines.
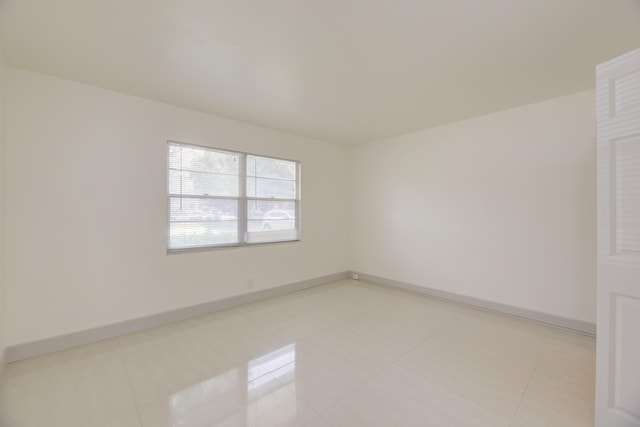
column 262, row 385
column 279, row 363
column 363, row 356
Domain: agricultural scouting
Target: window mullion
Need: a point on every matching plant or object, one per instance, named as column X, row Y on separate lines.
column 242, row 200
column 298, row 196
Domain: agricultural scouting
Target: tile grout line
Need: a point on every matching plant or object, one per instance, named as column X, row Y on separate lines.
column 366, row 381
column 256, row 304
column 462, row 319
column 390, row 364
column 423, row 330
column 350, row 393
column 429, row 336
column 524, row 392
column 126, row 370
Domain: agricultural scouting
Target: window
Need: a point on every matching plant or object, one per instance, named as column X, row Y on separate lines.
column 223, row 198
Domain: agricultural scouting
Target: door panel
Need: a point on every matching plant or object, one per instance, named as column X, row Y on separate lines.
column 618, row 151
column 626, row 351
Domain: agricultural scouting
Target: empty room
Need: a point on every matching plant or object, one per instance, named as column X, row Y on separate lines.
column 319, row 213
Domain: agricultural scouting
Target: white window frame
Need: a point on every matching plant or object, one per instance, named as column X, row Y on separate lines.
column 243, row 199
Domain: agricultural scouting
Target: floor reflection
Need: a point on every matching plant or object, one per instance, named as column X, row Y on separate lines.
column 241, row 396
column 280, row 364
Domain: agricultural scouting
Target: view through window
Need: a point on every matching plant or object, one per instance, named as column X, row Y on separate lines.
column 223, row 198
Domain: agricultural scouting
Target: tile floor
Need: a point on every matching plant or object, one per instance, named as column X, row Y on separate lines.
column 343, row 354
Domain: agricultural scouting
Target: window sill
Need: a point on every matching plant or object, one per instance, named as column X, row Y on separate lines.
column 223, row 247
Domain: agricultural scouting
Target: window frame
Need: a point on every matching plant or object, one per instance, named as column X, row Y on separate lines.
column 242, row 198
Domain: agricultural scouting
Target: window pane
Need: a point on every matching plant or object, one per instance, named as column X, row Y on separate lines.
column 194, row 234
column 266, row 215
column 202, row 222
column 203, row 183
column 205, row 194
column 270, row 188
column 194, row 209
column 266, row 167
column 203, row 159
column 201, row 171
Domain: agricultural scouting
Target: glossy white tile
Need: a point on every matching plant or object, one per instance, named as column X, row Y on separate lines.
column 130, row 419
column 232, row 398
column 562, row 389
column 398, row 397
column 344, row 354
column 78, row 387
column 317, row 421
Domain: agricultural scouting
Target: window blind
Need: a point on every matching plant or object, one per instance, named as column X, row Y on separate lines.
column 225, row 198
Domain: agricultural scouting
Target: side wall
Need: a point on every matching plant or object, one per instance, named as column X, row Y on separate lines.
column 86, row 208
column 500, row 207
column 3, row 304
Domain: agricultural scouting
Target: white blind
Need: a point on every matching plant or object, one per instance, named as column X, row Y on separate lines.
column 225, row 198
column 272, row 205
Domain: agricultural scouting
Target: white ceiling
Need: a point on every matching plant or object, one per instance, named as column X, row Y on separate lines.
column 348, row 71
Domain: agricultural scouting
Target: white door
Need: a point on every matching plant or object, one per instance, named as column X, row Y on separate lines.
column 618, row 145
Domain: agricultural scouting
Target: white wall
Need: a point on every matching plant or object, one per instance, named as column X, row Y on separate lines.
column 3, row 304
column 86, row 204
column 499, row 207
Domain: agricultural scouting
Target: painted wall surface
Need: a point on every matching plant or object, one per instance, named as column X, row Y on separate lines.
column 3, row 304
column 500, row 207
column 86, row 203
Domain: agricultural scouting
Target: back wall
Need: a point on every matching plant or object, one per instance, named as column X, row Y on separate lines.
column 500, row 207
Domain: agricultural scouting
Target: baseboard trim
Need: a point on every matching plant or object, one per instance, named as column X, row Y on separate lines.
column 88, row 336
column 536, row 316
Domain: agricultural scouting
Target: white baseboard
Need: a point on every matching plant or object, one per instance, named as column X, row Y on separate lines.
column 63, row 342
column 581, row 326
column 88, row 336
